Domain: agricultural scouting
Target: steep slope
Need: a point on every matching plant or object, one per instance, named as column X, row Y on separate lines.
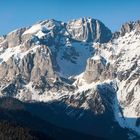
column 128, row 69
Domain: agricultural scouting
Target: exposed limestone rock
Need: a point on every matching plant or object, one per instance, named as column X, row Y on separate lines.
column 108, row 73
column 88, row 30
column 93, row 70
column 42, row 64
column 93, row 102
column 14, row 38
column 3, row 46
column 32, row 67
column 3, row 70
column 137, row 25
column 127, row 28
column 2, row 38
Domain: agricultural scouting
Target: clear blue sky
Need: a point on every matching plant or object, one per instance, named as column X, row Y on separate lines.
column 20, row 13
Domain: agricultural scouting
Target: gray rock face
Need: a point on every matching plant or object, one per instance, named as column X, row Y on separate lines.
column 2, row 38
column 108, row 73
column 94, row 70
column 94, row 102
column 98, row 70
column 89, row 30
column 127, row 28
column 32, row 67
column 42, row 64
column 14, row 38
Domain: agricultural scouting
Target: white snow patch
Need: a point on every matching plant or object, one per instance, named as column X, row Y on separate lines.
column 40, row 34
column 16, row 52
column 32, row 30
column 69, row 68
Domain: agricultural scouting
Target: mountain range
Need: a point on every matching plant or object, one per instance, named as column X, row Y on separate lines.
column 76, row 75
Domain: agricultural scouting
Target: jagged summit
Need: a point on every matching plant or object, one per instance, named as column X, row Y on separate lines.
column 128, row 27
column 83, row 29
column 89, row 29
column 77, row 63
